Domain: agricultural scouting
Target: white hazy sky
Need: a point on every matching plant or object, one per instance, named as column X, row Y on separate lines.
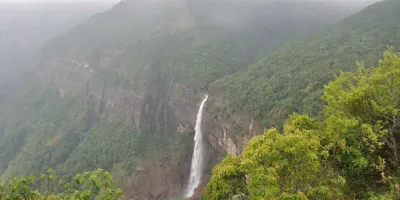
column 111, row 1
column 54, row 1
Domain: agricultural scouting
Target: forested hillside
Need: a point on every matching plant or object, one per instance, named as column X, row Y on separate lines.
column 350, row 149
column 40, row 130
column 190, row 42
column 351, row 154
column 121, row 91
column 291, row 78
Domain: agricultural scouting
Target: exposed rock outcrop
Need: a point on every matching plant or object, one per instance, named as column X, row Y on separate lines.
column 157, row 109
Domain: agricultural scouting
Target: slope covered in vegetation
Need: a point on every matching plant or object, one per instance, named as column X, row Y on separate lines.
column 40, row 130
column 66, row 115
column 291, row 78
column 351, row 154
column 89, row 186
column 191, row 42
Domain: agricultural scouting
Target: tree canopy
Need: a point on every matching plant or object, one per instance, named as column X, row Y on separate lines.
column 351, row 153
column 291, row 78
column 97, row 184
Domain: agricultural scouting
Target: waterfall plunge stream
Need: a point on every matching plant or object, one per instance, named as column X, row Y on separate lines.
column 197, row 159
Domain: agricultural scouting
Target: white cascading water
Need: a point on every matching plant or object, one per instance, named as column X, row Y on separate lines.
column 197, row 159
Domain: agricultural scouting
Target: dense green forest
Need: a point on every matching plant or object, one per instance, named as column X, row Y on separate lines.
column 192, row 43
column 291, row 78
column 49, row 131
column 262, row 59
column 351, row 154
column 86, row 186
column 38, row 128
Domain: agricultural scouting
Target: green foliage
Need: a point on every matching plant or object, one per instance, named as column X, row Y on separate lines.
column 290, row 79
column 97, row 184
column 157, row 51
column 228, row 180
column 278, row 166
column 190, row 44
column 50, row 131
column 391, row 178
column 42, row 132
column 362, row 117
column 110, row 143
column 352, row 153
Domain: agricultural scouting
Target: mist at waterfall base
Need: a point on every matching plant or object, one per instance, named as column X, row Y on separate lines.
column 198, row 154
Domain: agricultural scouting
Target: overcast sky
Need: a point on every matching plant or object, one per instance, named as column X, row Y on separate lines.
column 111, row 1
column 33, row 1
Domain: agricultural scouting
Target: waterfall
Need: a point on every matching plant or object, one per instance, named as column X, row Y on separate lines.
column 197, row 159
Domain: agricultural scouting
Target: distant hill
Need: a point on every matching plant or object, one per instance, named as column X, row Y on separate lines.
column 26, row 27
column 291, row 78
column 199, row 41
column 121, row 90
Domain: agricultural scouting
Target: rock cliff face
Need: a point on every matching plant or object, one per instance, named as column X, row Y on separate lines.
column 161, row 110
column 135, row 77
column 158, row 109
column 153, row 61
column 230, row 135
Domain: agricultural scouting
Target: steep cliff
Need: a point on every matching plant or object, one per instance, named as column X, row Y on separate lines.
column 151, row 59
column 121, row 91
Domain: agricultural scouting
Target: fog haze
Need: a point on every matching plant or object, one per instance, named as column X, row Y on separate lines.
column 26, row 25
column 57, row 1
